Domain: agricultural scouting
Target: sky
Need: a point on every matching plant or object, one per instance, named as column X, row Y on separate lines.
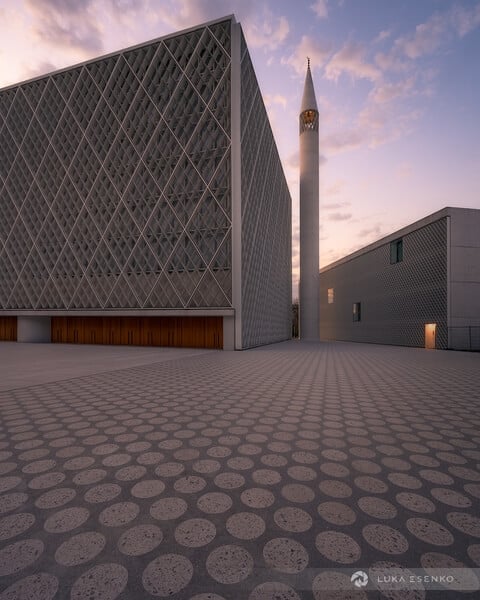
column 397, row 84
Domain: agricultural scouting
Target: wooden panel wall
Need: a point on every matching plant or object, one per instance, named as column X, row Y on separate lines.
column 8, row 329
column 180, row 332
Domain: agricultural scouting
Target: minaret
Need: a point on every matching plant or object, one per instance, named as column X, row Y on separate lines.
column 309, row 228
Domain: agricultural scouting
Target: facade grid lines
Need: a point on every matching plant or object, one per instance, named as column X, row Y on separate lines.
column 116, row 182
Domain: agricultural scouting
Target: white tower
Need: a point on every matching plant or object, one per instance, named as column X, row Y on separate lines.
column 309, row 228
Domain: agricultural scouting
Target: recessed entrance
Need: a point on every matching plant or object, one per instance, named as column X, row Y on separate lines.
column 430, row 335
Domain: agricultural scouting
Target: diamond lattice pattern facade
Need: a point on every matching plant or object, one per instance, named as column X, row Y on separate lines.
column 147, row 182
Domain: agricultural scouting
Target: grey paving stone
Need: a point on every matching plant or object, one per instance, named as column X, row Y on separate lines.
column 272, row 473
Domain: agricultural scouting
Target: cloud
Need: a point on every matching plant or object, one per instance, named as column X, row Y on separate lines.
column 351, row 60
column 465, row 20
column 128, row 5
column 270, row 32
column 347, row 139
column 271, row 99
column 404, row 170
column 262, row 29
column 391, row 61
column 427, row 37
column 383, row 35
column 333, row 190
column 320, row 8
column 317, row 50
column 293, row 160
column 386, row 92
column 66, row 24
column 439, row 29
column 375, row 231
column 339, row 216
column 39, row 69
column 180, row 14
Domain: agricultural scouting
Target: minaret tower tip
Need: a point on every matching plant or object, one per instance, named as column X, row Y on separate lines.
column 309, row 213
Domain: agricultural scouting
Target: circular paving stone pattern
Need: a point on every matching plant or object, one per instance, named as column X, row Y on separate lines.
column 298, row 493
column 41, row 586
column 19, row 555
column 167, row 575
column 397, row 586
column 214, row 503
column 338, row 547
column 168, row 509
column 229, row 481
column 119, row 514
column 430, row 531
column 148, row 488
column 80, row 548
column 66, row 520
column 140, row 540
column 331, row 585
column 285, row 555
column 207, row 597
column 465, row 579
column 377, row 508
column 190, row 484
column 9, row 502
column 195, row 533
column 335, row 489
column 337, row 513
column 257, row 498
column 103, row 582
column 14, row 525
column 229, row 564
column 273, row 590
column 451, row 497
column 415, row 502
column 290, row 518
column 465, row 522
column 245, row 526
column 9, row 483
column 280, row 481
column 385, row 538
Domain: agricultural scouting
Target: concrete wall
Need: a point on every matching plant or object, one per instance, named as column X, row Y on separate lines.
column 465, row 279
column 266, row 223
column 397, row 300
column 465, row 268
column 34, row 329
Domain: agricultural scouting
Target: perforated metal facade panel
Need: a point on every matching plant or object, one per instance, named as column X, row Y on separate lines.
column 115, row 180
column 398, row 299
column 266, row 222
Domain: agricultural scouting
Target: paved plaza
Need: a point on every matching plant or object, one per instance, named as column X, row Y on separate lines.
column 270, row 474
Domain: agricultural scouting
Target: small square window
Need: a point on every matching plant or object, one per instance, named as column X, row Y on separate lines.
column 330, row 295
column 396, row 251
column 357, row 311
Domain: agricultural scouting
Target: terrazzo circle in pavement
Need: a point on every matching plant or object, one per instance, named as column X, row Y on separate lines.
column 272, row 474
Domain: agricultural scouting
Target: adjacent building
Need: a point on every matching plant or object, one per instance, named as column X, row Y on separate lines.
column 419, row 286
column 143, row 201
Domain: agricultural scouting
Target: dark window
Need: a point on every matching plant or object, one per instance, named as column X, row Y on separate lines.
column 357, row 311
column 396, row 251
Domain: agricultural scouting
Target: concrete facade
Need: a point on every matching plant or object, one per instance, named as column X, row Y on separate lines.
column 424, row 274
column 147, row 183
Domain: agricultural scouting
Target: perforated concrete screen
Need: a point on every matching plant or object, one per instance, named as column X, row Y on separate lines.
column 266, row 222
column 398, row 299
column 115, row 180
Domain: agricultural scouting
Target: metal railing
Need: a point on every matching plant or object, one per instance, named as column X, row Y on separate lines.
column 465, row 337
